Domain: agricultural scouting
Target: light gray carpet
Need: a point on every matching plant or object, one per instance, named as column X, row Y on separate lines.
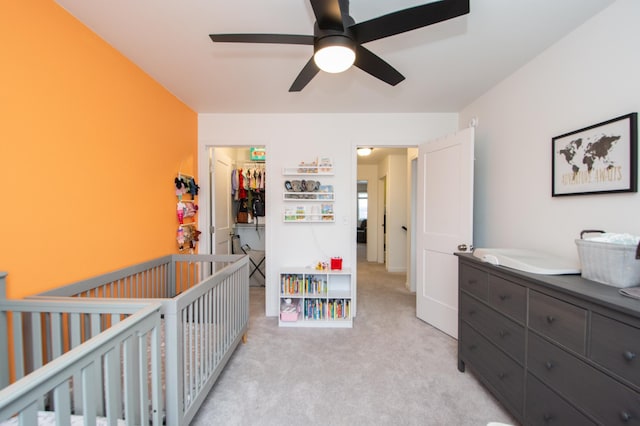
column 389, row 369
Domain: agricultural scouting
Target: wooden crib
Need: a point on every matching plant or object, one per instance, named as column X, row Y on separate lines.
column 205, row 311
column 79, row 363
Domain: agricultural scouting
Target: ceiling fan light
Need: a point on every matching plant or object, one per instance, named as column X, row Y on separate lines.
column 334, row 54
column 363, row 152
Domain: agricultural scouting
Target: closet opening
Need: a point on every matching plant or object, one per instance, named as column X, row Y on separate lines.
column 238, row 200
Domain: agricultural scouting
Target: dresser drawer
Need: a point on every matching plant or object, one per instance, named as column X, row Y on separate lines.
column 474, row 281
column 504, row 375
column 595, row 393
column 545, row 407
column 508, row 297
column 503, row 332
column 560, row 321
column 616, row 346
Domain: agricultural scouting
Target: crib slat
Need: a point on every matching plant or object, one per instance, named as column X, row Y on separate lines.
column 216, row 307
column 143, row 379
column 156, row 375
column 207, row 340
column 89, row 394
column 4, row 355
column 192, row 352
column 186, row 356
column 130, row 383
column 135, row 374
column 56, row 335
column 112, row 385
column 75, row 332
column 76, row 339
column 36, row 340
column 18, row 345
column 197, row 345
column 96, row 320
column 62, row 404
column 36, row 345
column 28, row 416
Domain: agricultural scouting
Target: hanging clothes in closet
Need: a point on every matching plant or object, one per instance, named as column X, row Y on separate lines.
column 250, row 178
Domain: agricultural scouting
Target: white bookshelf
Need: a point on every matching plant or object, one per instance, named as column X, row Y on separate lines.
column 316, row 298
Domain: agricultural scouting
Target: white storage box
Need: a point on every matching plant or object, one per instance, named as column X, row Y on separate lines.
column 609, row 263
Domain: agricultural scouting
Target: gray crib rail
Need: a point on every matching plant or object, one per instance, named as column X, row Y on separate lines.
column 205, row 305
column 94, row 358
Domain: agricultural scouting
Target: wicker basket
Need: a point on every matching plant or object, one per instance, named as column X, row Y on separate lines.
column 611, row 264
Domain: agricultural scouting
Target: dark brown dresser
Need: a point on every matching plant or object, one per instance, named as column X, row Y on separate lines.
column 554, row 350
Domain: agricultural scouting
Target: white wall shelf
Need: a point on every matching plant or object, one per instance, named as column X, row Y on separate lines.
column 308, row 218
column 305, row 170
column 308, row 196
column 310, row 213
column 323, row 195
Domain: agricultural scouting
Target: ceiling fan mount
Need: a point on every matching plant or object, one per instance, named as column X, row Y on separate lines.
column 336, row 30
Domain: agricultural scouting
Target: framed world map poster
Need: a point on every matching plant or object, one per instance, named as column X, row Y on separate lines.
column 597, row 159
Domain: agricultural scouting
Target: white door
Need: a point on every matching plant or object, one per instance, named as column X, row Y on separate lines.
column 444, row 225
column 221, row 204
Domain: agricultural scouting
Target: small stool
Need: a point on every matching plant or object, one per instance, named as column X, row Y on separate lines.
column 260, row 256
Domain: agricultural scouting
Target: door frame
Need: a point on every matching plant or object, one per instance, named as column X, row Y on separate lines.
column 205, row 213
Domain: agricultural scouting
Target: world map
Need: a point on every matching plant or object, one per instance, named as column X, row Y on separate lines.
column 589, row 153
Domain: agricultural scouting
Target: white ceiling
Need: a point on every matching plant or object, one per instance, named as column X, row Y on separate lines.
column 446, row 65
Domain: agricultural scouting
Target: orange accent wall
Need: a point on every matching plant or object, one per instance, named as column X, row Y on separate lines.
column 89, row 148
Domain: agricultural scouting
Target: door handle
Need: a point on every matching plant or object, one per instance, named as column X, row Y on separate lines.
column 462, row 247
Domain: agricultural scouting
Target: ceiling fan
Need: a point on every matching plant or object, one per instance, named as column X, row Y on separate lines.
column 336, row 36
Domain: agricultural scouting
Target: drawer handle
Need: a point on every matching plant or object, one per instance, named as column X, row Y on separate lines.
column 549, row 365
column 629, row 356
column 472, row 312
column 472, row 347
column 547, row 418
column 502, row 376
column 625, row 416
column 503, row 333
column 503, row 297
column 550, row 319
column 472, row 282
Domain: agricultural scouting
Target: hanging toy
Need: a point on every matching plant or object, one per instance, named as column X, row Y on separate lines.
column 180, row 210
column 193, row 187
column 178, row 184
column 180, row 238
column 190, row 209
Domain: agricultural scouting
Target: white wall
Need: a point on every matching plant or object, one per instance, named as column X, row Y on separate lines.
column 590, row 76
column 412, row 183
column 369, row 172
column 290, row 138
column 396, row 179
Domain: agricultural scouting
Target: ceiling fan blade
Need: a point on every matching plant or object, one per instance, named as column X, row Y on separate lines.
column 371, row 63
column 409, row 19
column 263, row 38
column 308, row 72
column 328, row 14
